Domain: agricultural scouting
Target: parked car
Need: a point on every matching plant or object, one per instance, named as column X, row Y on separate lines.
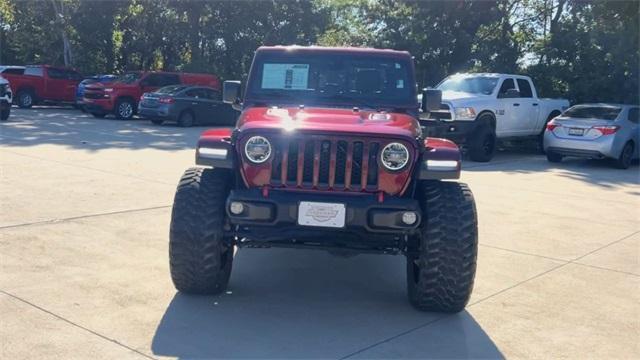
column 104, row 79
column 6, row 97
column 328, row 153
column 11, row 69
column 44, row 83
column 478, row 109
column 596, row 131
column 186, row 105
column 121, row 96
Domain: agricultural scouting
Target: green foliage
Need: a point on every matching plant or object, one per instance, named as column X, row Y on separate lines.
column 582, row 50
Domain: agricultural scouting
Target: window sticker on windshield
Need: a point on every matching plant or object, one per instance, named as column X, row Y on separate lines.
column 285, row 76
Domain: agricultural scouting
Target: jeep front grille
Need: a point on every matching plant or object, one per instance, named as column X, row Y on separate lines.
column 325, row 163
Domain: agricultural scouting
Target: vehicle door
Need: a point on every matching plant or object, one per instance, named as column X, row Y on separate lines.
column 529, row 110
column 216, row 113
column 56, row 84
column 35, row 78
column 72, row 79
column 194, row 99
column 507, row 109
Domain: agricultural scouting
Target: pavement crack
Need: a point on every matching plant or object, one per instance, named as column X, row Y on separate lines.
column 55, row 221
column 93, row 332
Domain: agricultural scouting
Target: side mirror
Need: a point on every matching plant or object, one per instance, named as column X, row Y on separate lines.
column 509, row 94
column 431, row 100
column 231, row 92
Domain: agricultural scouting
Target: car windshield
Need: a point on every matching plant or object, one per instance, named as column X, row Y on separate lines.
column 170, row 90
column 364, row 81
column 129, row 77
column 593, row 112
column 474, row 85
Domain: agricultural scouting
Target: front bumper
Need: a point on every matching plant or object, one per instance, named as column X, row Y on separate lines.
column 98, row 105
column 456, row 130
column 275, row 218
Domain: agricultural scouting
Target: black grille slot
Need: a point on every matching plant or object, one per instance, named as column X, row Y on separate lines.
column 372, row 172
column 276, row 164
column 341, row 162
column 292, row 162
column 307, row 173
column 93, row 95
column 325, row 159
column 356, row 167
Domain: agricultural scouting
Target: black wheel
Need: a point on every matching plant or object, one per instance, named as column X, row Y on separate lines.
column 25, row 99
column 186, row 119
column 98, row 115
column 441, row 263
column 624, row 160
column 4, row 114
column 482, row 145
column 200, row 258
column 553, row 157
column 124, row 109
column 157, row 121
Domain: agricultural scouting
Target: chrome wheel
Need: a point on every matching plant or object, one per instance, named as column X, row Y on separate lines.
column 125, row 110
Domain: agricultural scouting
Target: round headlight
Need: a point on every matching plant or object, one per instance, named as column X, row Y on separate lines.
column 394, row 156
column 257, row 149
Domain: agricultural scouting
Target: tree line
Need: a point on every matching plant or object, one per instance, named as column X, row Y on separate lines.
column 582, row 50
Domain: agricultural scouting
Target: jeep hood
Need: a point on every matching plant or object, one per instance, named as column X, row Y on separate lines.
column 334, row 120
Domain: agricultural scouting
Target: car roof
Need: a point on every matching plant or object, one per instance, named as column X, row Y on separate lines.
column 605, row 105
column 2, row 67
column 327, row 49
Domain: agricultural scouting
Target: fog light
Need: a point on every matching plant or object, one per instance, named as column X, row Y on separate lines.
column 236, row 208
column 409, row 217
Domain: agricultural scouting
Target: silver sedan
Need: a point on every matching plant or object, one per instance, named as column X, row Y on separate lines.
column 596, row 131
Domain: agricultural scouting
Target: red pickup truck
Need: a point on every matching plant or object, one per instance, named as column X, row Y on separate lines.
column 121, row 97
column 44, row 83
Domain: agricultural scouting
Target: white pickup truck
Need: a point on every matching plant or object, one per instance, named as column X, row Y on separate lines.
column 478, row 109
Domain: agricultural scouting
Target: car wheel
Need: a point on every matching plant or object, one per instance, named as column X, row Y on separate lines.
column 482, row 146
column 157, row 121
column 99, row 115
column 553, row 157
column 25, row 99
column 200, row 258
column 186, row 119
column 4, row 114
column 124, row 109
column 441, row 262
column 624, row 160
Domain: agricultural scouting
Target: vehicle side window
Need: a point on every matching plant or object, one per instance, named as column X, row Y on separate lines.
column 525, row 88
column 506, row 85
column 34, row 71
column 634, row 115
column 73, row 75
column 169, row 79
column 151, row 80
column 213, row 95
column 56, row 73
column 194, row 93
column 13, row 71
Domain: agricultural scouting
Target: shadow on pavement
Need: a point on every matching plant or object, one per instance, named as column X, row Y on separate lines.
column 70, row 127
column 308, row 304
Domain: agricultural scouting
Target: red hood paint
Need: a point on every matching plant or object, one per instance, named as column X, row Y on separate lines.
column 327, row 120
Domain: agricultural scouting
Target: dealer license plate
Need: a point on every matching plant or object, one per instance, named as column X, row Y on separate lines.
column 576, row 131
column 321, row 214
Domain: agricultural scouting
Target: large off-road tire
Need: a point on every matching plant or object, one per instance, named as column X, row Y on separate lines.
column 626, row 155
column 125, row 108
column 4, row 114
column 25, row 99
column 482, row 144
column 200, row 259
column 441, row 264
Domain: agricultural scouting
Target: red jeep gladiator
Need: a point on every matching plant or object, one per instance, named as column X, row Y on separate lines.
column 328, row 153
column 121, row 96
column 43, row 83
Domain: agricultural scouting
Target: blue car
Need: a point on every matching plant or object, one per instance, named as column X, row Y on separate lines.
column 105, row 79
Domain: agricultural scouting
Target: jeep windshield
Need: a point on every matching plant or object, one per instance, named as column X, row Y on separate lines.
column 473, row 85
column 364, row 81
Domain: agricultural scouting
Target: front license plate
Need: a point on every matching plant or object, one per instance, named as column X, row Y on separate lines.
column 321, row 214
column 576, row 131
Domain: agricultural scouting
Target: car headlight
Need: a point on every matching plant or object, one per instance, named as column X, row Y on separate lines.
column 257, row 149
column 108, row 90
column 465, row 113
column 394, row 156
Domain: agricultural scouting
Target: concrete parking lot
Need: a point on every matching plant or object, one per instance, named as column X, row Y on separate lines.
column 85, row 207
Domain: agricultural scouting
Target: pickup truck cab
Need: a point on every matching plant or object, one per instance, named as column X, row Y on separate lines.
column 43, row 83
column 327, row 153
column 121, row 97
column 478, row 109
column 6, row 97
